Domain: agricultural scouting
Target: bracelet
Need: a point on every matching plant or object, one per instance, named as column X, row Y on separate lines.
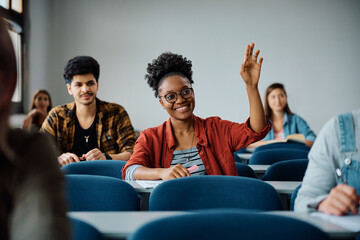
column 107, row 156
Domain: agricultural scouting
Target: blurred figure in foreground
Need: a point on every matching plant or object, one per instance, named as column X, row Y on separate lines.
column 32, row 203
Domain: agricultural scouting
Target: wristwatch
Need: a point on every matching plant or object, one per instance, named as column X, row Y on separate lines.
column 107, row 156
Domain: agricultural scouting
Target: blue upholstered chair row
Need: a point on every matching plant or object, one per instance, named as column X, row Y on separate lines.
column 100, row 193
column 237, row 158
column 274, row 146
column 228, row 225
column 282, row 145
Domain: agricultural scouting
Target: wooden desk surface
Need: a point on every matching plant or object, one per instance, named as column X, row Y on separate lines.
column 120, row 225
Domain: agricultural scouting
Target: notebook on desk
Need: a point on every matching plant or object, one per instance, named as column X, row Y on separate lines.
column 298, row 138
column 148, row 183
column 350, row 222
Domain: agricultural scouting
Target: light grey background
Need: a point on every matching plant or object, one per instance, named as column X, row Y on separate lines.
column 312, row 46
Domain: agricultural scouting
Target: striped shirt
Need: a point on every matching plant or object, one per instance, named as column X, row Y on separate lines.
column 187, row 158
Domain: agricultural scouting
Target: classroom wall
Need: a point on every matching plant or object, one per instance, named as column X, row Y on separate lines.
column 312, row 46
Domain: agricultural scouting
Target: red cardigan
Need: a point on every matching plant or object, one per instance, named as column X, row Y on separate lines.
column 217, row 141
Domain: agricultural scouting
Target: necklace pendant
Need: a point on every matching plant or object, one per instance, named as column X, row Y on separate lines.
column 86, row 139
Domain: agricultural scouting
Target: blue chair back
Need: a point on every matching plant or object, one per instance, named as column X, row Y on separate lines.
column 288, row 170
column 288, row 145
column 228, row 225
column 237, row 158
column 293, row 197
column 110, row 168
column 244, row 170
column 82, row 230
column 271, row 156
column 100, row 193
column 204, row 192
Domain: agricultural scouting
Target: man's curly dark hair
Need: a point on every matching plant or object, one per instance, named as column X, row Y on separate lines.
column 166, row 65
column 81, row 65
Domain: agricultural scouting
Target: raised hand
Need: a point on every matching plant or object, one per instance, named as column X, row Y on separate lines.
column 251, row 67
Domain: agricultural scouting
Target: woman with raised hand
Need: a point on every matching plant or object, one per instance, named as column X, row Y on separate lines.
column 40, row 107
column 186, row 144
column 284, row 121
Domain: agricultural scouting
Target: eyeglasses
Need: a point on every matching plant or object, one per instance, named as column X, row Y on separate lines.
column 173, row 96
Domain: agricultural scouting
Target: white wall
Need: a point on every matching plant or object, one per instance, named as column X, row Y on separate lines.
column 312, row 46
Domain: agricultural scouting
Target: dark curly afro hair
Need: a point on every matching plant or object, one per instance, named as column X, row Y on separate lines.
column 166, row 65
column 81, row 65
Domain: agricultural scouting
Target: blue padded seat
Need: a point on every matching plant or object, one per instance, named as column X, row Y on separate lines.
column 293, row 197
column 288, row 170
column 228, row 225
column 288, row 145
column 271, row 156
column 204, row 192
column 82, row 230
column 100, row 193
column 110, row 168
column 244, row 170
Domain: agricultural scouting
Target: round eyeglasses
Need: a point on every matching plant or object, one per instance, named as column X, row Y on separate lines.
column 173, row 96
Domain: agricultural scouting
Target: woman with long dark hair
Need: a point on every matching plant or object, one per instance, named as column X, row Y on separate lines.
column 284, row 121
column 40, row 107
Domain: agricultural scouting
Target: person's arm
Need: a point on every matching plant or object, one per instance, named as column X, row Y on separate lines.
column 320, row 178
column 257, row 144
column 126, row 139
column 250, row 72
column 121, row 156
column 148, row 161
column 304, row 128
column 309, row 143
column 177, row 171
column 29, row 120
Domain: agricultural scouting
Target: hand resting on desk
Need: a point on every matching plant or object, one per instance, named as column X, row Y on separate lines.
column 173, row 172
